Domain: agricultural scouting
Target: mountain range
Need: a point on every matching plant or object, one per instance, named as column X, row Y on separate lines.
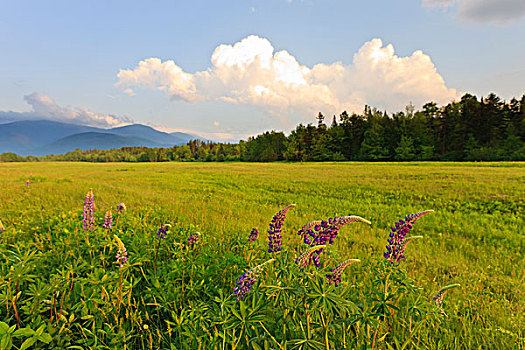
column 43, row 137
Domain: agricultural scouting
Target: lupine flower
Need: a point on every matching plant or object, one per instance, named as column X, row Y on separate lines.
column 304, row 259
column 2, row 228
column 325, row 232
column 306, row 231
column 163, row 230
column 404, row 243
column 121, row 207
column 253, row 234
column 274, row 233
column 335, row 276
column 397, row 240
column 248, row 279
column 89, row 208
column 122, row 254
column 193, row 238
column 28, row 183
column 108, row 220
column 438, row 298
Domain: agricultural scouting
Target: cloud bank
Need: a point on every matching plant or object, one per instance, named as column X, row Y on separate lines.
column 484, row 11
column 44, row 107
column 252, row 72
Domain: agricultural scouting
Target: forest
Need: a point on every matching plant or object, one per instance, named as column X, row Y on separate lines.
column 471, row 129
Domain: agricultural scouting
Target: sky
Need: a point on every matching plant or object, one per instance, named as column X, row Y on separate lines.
column 226, row 70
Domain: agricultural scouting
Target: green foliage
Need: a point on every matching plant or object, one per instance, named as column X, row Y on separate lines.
column 66, row 284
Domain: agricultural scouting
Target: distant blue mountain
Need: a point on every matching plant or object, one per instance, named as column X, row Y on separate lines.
column 24, row 136
column 41, row 137
column 146, row 132
column 93, row 140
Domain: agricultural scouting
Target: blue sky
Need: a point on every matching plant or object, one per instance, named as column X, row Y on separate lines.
column 281, row 61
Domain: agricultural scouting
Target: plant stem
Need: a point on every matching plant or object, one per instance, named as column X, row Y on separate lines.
column 271, row 336
column 119, row 290
column 374, row 340
column 156, row 255
column 13, row 301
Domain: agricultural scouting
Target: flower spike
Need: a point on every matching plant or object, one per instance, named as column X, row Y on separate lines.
column 306, row 229
column 253, row 234
column 325, row 232
column 304, row 259
column 274, row 233
column 163, row 231
column 121, row 207
column 108, row 220
column 397, row 240
column 89, row 209
column 335, row 276
column 122, row 254
column 440, row 295
column 248, row 279
column 193, row 239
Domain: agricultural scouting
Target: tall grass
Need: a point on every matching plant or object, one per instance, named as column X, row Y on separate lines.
column 69, row 278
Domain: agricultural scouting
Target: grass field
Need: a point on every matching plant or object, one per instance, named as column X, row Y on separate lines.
column 475, row 237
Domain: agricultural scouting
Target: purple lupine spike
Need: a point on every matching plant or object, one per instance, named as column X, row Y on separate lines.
column 89, row 209
column 193, row 239
column 122, row 254
column 2, row 228
column 404, row 243
column 121, row 207
column 108, row 220
column 28, row 183
column 304, row 232
column 248, row 279
column 253, row 234
column 335, row 276
column 163, row 231
column 306, row 257
column 325, row 232
column 397, row 240
column 274, row 233
column 440, row 295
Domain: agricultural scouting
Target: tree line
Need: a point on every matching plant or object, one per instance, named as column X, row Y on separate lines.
column 470, row 129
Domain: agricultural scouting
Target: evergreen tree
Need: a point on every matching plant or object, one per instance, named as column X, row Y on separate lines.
column 405, row 149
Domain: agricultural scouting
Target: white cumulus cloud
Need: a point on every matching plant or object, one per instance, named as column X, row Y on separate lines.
column 44, row 107
column 483, row 11
column 252, row 72
column 166, row 76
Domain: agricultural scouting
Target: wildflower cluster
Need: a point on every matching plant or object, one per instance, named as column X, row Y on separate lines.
column 398, row 241
column 121, row 207
column 2, row 228
column 274, row 233
column 108, row 220
column 335, row 276
column 248, row 279
column 122, row 254
column 253, row 234
column 163, row 231
column 89, row 209
column 193, row 238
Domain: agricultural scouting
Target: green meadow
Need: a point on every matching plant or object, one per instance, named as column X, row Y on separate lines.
column 68, row 292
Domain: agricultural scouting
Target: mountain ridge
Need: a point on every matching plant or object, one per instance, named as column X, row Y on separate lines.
column 43, row 137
